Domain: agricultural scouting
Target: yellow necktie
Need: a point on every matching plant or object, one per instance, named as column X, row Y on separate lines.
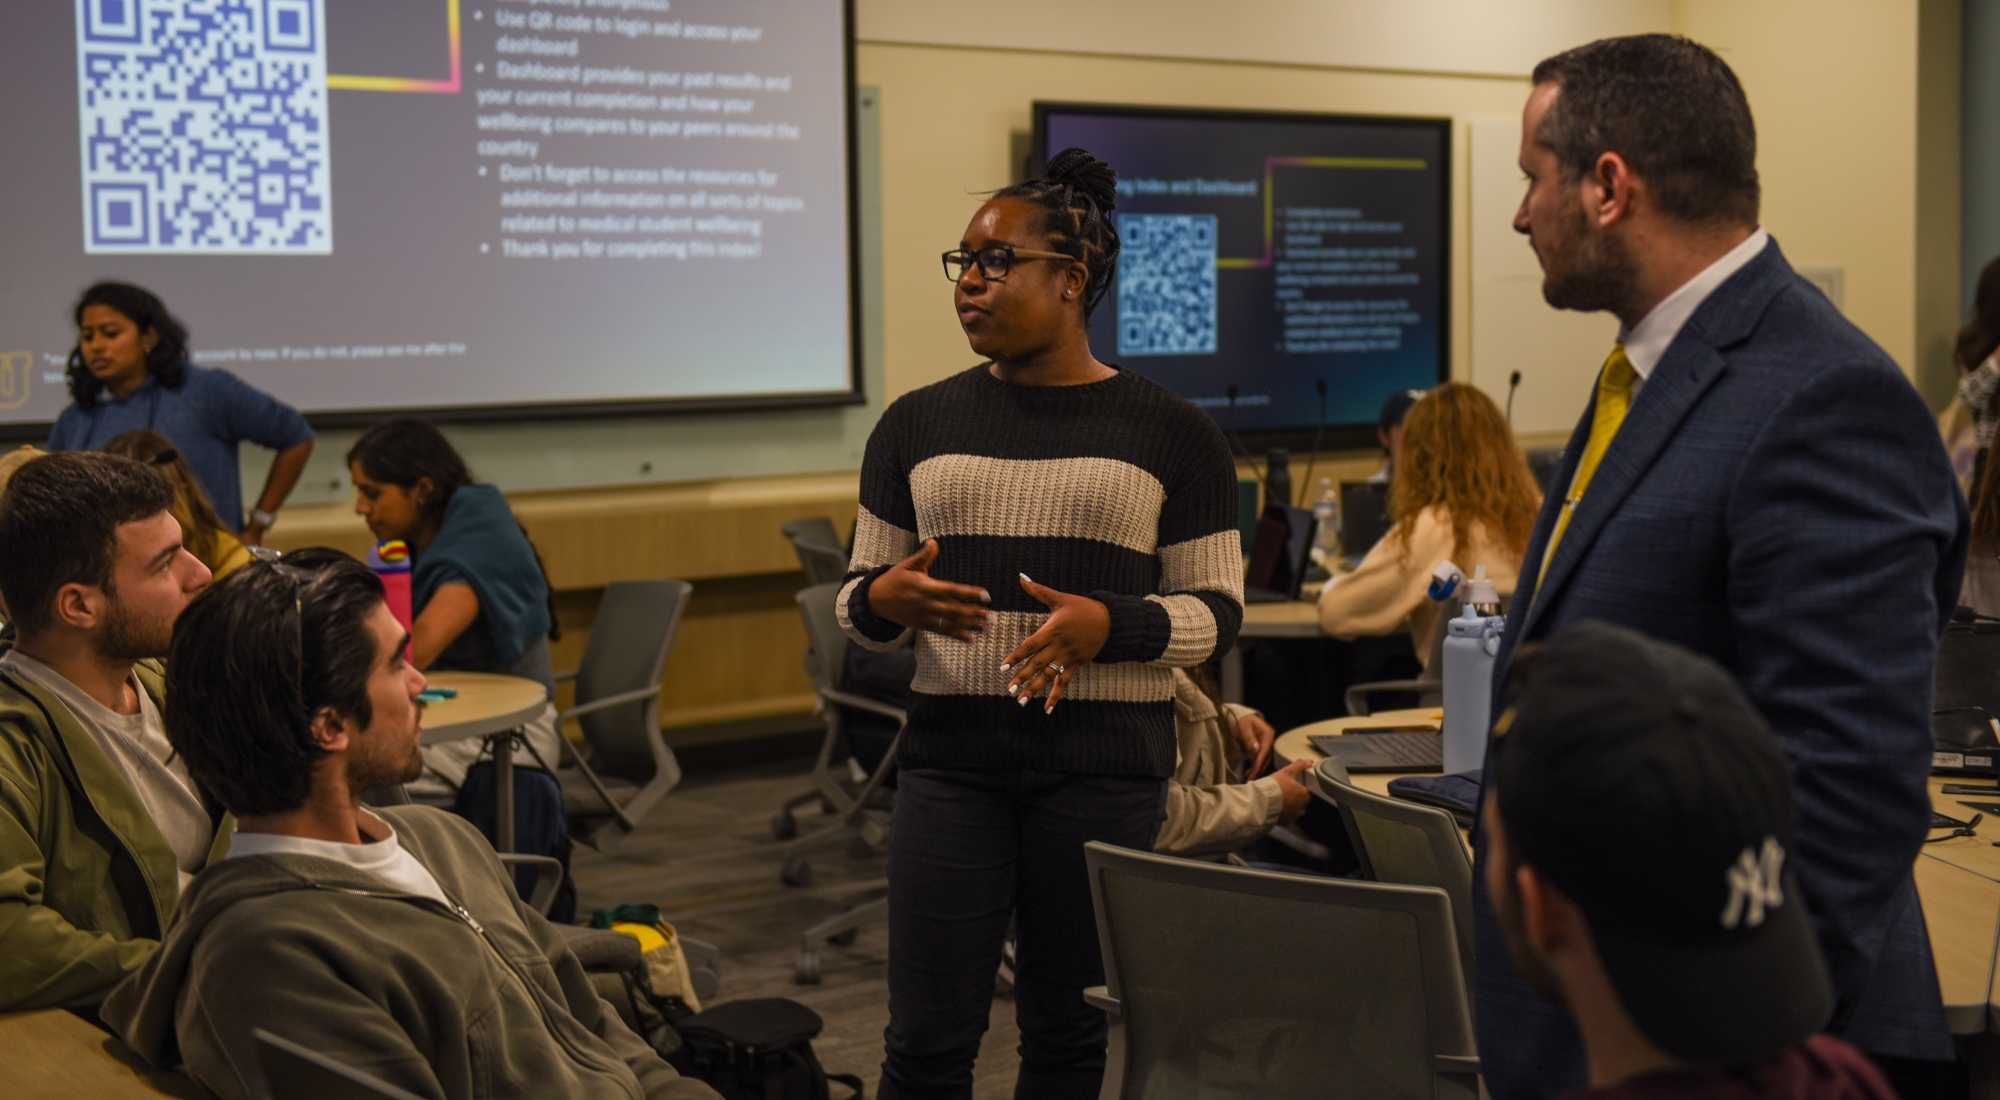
column 1614, row 400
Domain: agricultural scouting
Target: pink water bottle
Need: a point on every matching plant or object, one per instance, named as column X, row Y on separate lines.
column 391, row 561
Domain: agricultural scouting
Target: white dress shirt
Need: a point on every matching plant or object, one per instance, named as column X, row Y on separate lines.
column 1648, row 340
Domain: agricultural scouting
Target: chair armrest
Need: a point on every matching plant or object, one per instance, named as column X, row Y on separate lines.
column 570, row 675
column 1357, row 695
column 1098, row 996
column 862, row 702
column 1455, row 1063
column 548, row 878
column 619, row 699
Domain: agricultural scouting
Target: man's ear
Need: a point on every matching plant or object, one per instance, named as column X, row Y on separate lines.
column 79, row 605
column 1551, row 919
column 1610, row 190
column 333, row 732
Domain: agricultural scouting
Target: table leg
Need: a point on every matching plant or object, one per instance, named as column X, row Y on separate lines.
column 503, row 792
column 1232, row 674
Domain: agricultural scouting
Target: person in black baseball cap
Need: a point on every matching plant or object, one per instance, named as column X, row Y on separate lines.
column 1639, row 827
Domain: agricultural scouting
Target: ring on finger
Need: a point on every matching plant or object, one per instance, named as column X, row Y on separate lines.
column 1059, row 670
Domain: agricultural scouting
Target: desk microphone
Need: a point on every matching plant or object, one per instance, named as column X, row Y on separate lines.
column 1964, row 614
column 1513, row 383
column 1237, row 442
column 1320, row 385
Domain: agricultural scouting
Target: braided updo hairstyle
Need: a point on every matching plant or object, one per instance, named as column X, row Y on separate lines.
column 1077, row 193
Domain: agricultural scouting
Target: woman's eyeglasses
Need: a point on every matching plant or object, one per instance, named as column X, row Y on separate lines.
column 995, row 262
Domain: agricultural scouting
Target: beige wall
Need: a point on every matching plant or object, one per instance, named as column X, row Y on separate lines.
column 1842, row 133
column 947, row 114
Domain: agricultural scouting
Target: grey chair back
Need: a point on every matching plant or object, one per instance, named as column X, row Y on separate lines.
column 307, row 1074
column 1404, row 842
column 1428, row 685
column 629, row 643
column 826, row 643
column 818, row 547
column 1226, row 982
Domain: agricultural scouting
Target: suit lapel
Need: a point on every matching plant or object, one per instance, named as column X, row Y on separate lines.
column 1691, row 365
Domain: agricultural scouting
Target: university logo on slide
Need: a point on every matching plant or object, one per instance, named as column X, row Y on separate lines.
column 204, row 126
column 14, row 369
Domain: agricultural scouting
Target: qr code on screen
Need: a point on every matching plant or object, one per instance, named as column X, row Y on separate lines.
column 204, row 126
column 1166, row 284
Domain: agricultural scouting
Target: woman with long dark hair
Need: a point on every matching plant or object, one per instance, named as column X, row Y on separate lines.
column 1057, row 535
column 477, row 588
column 202, row 533
column 130, row 370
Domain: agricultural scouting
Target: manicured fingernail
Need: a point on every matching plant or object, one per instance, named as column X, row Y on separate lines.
column 1024, row 700
column 1013, row 689
column 1027, row 578
column 984, row 596
column 1050, row 709
column 1006, row 666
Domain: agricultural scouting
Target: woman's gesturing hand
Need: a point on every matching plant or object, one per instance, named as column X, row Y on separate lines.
column 1075, row 632
column 906, row 595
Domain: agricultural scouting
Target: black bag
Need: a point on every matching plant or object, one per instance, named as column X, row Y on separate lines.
column 759, row 1049
column 541, row 828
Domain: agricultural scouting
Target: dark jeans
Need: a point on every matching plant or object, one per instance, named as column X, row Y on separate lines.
column 969, row 850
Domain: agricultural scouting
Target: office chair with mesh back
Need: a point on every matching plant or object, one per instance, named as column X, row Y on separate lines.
column 1225, row 981
column 1428, row 686
column 818, row 547
column 1403, row 842
column 861, row 821
column 628, row 767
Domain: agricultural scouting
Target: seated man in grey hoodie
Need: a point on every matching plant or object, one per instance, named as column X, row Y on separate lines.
column 390, row 940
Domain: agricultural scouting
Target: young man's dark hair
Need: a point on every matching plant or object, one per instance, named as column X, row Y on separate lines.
column 59, row 520
column 1671, row 108
column 255, row 659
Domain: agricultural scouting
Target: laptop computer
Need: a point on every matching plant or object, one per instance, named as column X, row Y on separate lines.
column 1279, row 555
column 1364, row 516
column 1389, row 749
column 1967, row 700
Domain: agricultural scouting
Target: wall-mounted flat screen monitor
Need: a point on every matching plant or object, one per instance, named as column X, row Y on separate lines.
column 525, row 207
column 1267, row 253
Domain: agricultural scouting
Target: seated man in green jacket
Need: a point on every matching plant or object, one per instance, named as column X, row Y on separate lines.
column 100, row 826
column 389, row 940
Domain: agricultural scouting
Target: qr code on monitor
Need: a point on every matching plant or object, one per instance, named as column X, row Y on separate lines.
column 1166, row 284
column 204, row 126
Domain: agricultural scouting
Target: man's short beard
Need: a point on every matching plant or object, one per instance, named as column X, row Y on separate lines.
column 127, row 636
column 1584, row 268
column 370, row 770
column 1507, row 908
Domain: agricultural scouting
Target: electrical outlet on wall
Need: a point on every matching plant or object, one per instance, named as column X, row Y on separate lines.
column 1829, row 280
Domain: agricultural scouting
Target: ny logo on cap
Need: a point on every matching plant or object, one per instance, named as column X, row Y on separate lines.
column 1754, row 885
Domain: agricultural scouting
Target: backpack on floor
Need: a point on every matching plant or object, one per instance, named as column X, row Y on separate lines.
column 758, row 1049
column 540, row 826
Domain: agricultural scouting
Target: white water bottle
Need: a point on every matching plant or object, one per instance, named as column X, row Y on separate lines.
column 1326, row 512
column 1471, row 642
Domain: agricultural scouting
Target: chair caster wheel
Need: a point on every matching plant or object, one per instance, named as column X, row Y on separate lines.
column 844, row 937
column 784, row 826
column 796, row 872
column 805, row 969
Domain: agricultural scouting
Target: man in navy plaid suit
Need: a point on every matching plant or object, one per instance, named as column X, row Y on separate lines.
column 1756, row 480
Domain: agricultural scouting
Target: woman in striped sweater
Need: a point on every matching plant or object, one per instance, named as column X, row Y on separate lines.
column 1042, row 713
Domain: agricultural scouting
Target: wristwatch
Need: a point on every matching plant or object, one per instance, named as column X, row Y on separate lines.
column 262, row 518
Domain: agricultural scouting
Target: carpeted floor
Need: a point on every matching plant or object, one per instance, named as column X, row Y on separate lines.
column 705, row 856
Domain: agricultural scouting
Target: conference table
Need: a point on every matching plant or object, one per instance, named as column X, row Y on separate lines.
column 492, row 706
column 1287, row 619
column 1958, row 881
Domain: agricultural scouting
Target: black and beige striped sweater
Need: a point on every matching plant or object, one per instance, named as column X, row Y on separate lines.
column 1118, row 490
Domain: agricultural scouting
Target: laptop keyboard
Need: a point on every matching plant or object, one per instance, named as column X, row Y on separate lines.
column 1415, row 750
